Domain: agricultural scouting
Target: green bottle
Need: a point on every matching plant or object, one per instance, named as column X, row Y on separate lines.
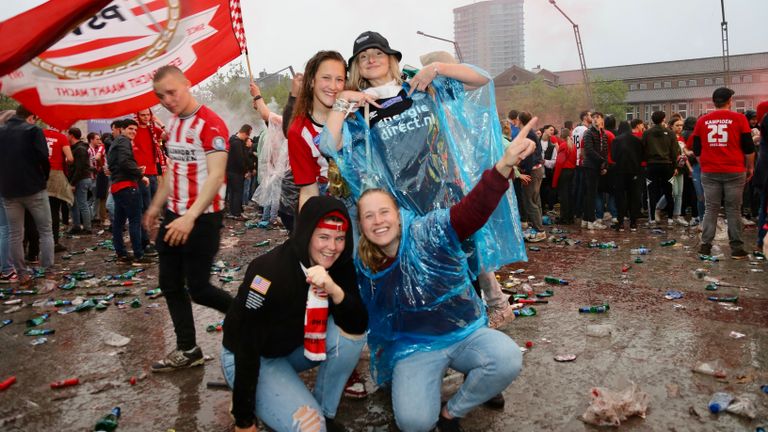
column 669, row 242
column 711, row 287
column 84, row 306
column 108, row 423
column 34, row 322
column 136, row 303
column 547, row 293
column 39, row 332
column 555, row 281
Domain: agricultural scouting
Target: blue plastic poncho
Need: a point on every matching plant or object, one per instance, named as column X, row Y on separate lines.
column 424, row 301
column 430, row 156
column 273, row 163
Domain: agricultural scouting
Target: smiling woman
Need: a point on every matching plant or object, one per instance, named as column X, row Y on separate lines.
column 326, row 75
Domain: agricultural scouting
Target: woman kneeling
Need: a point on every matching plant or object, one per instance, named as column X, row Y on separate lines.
column 298, row 308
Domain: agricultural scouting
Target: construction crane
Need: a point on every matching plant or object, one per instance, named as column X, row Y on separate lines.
column 726, row 54
column 580, row 48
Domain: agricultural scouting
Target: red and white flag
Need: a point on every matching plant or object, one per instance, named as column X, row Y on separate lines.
column 103, row 68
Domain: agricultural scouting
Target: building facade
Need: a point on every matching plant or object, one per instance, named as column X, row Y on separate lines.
column 683, row 86
column 490, row 34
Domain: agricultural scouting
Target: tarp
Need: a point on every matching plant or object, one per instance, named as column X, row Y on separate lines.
column 104, row 67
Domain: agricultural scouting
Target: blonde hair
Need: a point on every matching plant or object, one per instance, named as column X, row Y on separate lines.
column 370, row 254
column 357, row 82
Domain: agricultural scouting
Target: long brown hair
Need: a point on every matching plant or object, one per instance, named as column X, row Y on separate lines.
column 357, row 82
column 303, row 107
column 371, row 255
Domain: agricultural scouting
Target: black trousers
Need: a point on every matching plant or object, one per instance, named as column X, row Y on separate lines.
column 56, row 210
column 189, row 265
column 659, row 175
column 235, row 186
column 590, row 178
column 565, row 195
column 628, row 189
column 31, row 238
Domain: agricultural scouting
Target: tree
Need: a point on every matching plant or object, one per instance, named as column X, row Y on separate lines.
column 227, row 93
column 554, row 105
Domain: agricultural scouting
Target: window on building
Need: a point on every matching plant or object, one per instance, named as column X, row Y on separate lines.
column 692, row 82
column 682, row 108
column 719, row 80
column 630, row 114
column 735, row 79
column 681, row 83
column 746, row 78
column 655, row 108
column 657, row 85
column 667, row 84
column 740, row 106
column 707, row 81
column 644, row 86
column 632, row 87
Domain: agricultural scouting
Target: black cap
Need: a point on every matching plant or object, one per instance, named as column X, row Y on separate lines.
column 722, row 95
column 372, row 39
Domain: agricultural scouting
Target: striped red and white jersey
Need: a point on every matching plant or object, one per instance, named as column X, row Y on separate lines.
column 190, row 140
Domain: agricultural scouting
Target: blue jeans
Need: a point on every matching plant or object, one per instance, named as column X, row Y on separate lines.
column 489, row 358
column 127, row 207
column 696, row 175
column 281, row 392
column 247, row 190
column 146, row 192
column 5, row 257
column 600, row 202
column 81, row 211
column 38, row 206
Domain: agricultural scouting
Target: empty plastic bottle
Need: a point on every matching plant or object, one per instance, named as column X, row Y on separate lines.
column 669, row 242
column 525, row 312
column 108, row 423
column 555, row 281
column 136, row 303
column 733, row 299
column 5, row 322
column 719, row 402
column 640, row 251
column 39, row 332
column 595, row 309
column 36, row 321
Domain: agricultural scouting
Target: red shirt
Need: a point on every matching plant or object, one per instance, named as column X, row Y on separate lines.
column 190, row 140
column 610, row 137
column 145, row 149
column 307, row 164
column 56, row 143
column 720, row 134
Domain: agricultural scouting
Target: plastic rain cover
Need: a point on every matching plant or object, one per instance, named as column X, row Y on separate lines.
column 430, row 156
column 273, row 163
column 424, row 301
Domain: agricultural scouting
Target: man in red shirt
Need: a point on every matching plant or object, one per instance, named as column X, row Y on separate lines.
column 59, row 191
column 191, row 198
column 146, row 147
column 722, row 140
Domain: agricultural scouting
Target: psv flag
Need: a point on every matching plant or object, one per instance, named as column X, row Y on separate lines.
column 103, row 67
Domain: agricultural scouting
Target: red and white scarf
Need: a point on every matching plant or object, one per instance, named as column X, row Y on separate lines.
column 315, row 322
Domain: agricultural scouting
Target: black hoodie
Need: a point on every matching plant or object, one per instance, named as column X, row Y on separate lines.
column 272, row 324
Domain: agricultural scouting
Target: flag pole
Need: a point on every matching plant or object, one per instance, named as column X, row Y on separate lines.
column 248, row 63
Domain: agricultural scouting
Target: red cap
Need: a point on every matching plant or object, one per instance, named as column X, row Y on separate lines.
column 333, row 226
column 762, row 109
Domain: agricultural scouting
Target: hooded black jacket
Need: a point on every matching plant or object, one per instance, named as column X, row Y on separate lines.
column 273, row 326
column 627, row 154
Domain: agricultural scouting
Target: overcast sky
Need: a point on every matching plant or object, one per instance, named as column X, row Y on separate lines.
column 614, row 32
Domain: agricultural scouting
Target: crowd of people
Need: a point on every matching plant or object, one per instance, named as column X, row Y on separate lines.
column 602, row 173
column 397, row 219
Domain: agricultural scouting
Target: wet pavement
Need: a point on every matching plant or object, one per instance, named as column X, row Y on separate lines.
column 654, row 342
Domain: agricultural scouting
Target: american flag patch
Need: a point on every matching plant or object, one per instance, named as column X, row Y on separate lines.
column 260, row 285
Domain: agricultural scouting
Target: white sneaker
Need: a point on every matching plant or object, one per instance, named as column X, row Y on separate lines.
column 658, row 215
column 614, row 220
column 681, row 221
column 746, row 221
column 670, row 222
column 596, row 225
column 607, row 215
column 584, row 223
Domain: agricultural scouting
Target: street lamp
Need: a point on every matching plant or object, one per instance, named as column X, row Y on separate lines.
column 455, row 45
column 580, row 48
